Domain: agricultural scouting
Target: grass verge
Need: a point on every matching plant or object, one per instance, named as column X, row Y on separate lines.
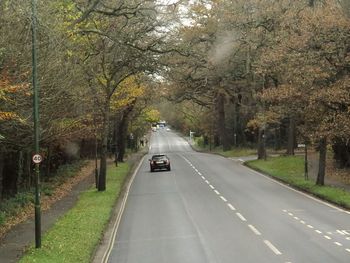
column 290, row 169
column 235, row 152
column 75, row 235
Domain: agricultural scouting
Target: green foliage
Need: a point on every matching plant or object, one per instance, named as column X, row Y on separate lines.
column 74, row 237
column 12, row 206
column 291, row 170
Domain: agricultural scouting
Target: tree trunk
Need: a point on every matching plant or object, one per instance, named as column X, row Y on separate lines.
column 291, row 137
column 122, row 129
column 48, row 161
column 1, row 170
column 322, row 163
column 220, row 106
column 20, row 170
column 104, row 141
column 261, row 145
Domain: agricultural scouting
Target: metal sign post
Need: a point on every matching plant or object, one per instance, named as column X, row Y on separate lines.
column 36, row 158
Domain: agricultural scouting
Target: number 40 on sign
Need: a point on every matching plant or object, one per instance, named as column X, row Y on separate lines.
column 37, row 158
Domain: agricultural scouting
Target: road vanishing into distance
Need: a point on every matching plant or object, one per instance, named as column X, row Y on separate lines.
column 213, row 209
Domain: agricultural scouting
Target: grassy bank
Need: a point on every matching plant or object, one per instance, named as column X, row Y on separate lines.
column 235, row 152
column 75, row 235
column 291, row 170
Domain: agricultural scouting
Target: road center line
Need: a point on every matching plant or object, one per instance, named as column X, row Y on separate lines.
column 203, row 177
column 256, row 232
column 327, row 237
column 338, row 244
column 231, row 207
column 212, row 187
column 217, row 192
column 241, row 217
column 318, row 231
column 223, row 198
column 272, row 247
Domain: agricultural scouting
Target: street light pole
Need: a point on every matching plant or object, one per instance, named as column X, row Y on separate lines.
column 36, row 128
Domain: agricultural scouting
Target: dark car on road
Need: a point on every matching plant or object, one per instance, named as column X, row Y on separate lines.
column 159, row 162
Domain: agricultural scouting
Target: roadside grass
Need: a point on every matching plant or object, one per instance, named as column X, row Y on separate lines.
column 234, row 152
column 290, row 169
column 75, row 235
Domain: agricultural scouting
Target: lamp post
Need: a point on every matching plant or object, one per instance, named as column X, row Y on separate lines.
column 36, row 157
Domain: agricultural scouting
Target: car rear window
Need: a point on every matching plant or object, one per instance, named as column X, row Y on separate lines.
column 156, row 158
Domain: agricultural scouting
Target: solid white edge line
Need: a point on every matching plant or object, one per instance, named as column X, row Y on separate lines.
column 120, row 213
column 272, row 247
column 256, row 232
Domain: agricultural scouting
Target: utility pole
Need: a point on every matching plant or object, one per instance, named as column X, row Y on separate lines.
column 36, row 158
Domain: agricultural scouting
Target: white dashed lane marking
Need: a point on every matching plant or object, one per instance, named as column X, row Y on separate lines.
column 256, row 232
column 328, row 235
column 223, row 199
column 272, row 247
column 241, row 217
column 231, row 207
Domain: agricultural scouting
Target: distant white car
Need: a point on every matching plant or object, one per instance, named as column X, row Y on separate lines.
column 167, row 129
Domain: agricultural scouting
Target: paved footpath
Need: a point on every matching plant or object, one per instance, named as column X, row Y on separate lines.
column 21, row 236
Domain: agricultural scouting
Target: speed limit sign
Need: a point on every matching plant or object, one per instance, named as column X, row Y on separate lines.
column 37, row 158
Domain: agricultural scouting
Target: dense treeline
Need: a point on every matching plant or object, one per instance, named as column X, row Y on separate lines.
column 95, row 65
column 267, row 72
column 243, row 72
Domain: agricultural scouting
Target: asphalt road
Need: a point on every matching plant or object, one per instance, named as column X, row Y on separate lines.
column 213, row 209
